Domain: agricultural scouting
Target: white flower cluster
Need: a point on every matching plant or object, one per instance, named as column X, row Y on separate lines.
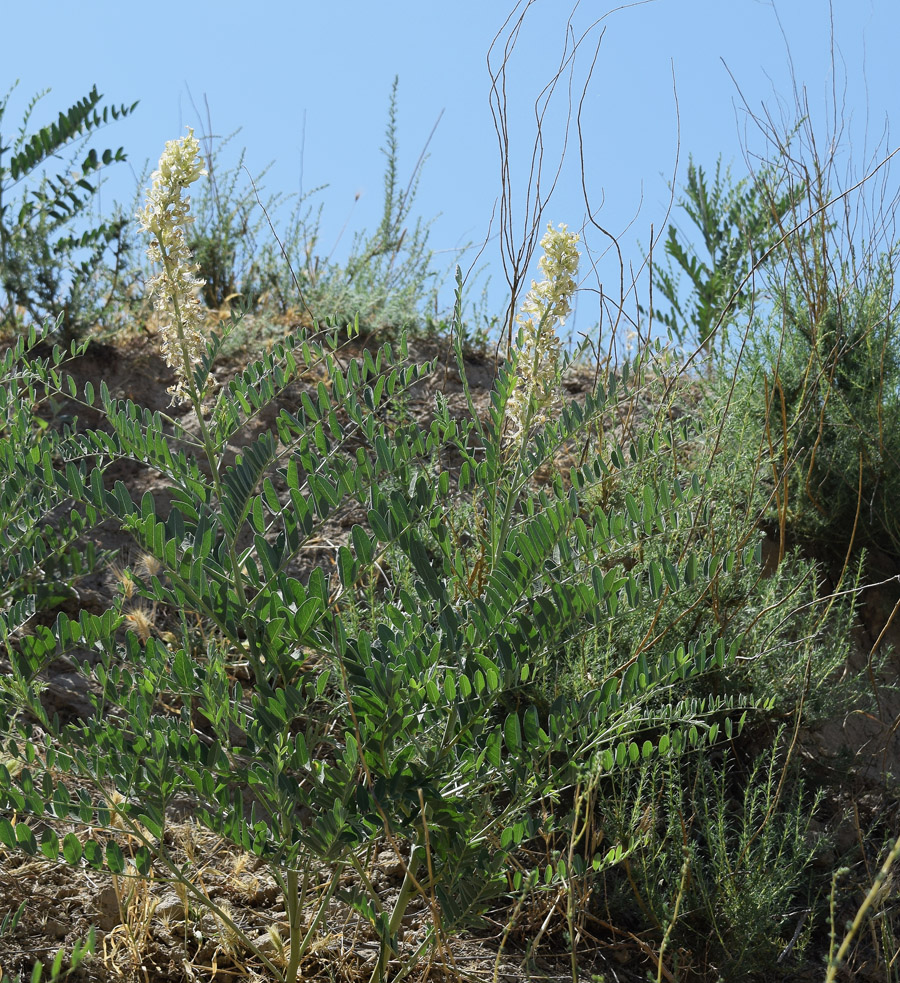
column 174, row 289
column 547, row 303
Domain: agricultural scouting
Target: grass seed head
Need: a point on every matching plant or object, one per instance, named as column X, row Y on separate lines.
column 140, row 619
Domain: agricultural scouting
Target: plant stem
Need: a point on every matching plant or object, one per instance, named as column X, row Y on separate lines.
column 834, row 962
column 407, row 889
column 210, row 452
column 292, row 903
column 685, row 871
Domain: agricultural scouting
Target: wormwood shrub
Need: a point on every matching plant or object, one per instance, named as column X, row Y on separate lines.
column 827, row 379
column 416, row 732
column 383, row 287
column 697, row 877
column 745, row 838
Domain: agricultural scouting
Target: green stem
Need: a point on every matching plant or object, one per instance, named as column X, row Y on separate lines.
column 500, row 534
column 834, row 962
column 292, row 902
column 685, row 871
column 320, row 914
column 210, row 452
column 366, row 882
column 407, row 890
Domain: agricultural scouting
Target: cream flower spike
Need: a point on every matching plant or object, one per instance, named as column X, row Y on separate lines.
column 547, row 303
column 174, row 289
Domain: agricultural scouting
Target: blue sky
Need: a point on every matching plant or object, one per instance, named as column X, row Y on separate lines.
column 308, row 85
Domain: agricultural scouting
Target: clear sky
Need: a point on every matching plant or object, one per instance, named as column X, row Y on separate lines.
column 308, row 86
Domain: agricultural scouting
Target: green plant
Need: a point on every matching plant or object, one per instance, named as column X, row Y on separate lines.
column 229, row 238
column 819, row 360
column 42, row 555
column 740, row 225
column 705, row 473
column 420, row 733
column 758, row 850
column 49, row 263
column 742, row 832
column 383, row 284
column 816, row 375
column 829, row 385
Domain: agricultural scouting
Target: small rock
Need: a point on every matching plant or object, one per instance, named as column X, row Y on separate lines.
column 108, row 909
column 389, row 863
column 261, row 893
column 267, row 945
column 55, row 928
column 170, row 907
